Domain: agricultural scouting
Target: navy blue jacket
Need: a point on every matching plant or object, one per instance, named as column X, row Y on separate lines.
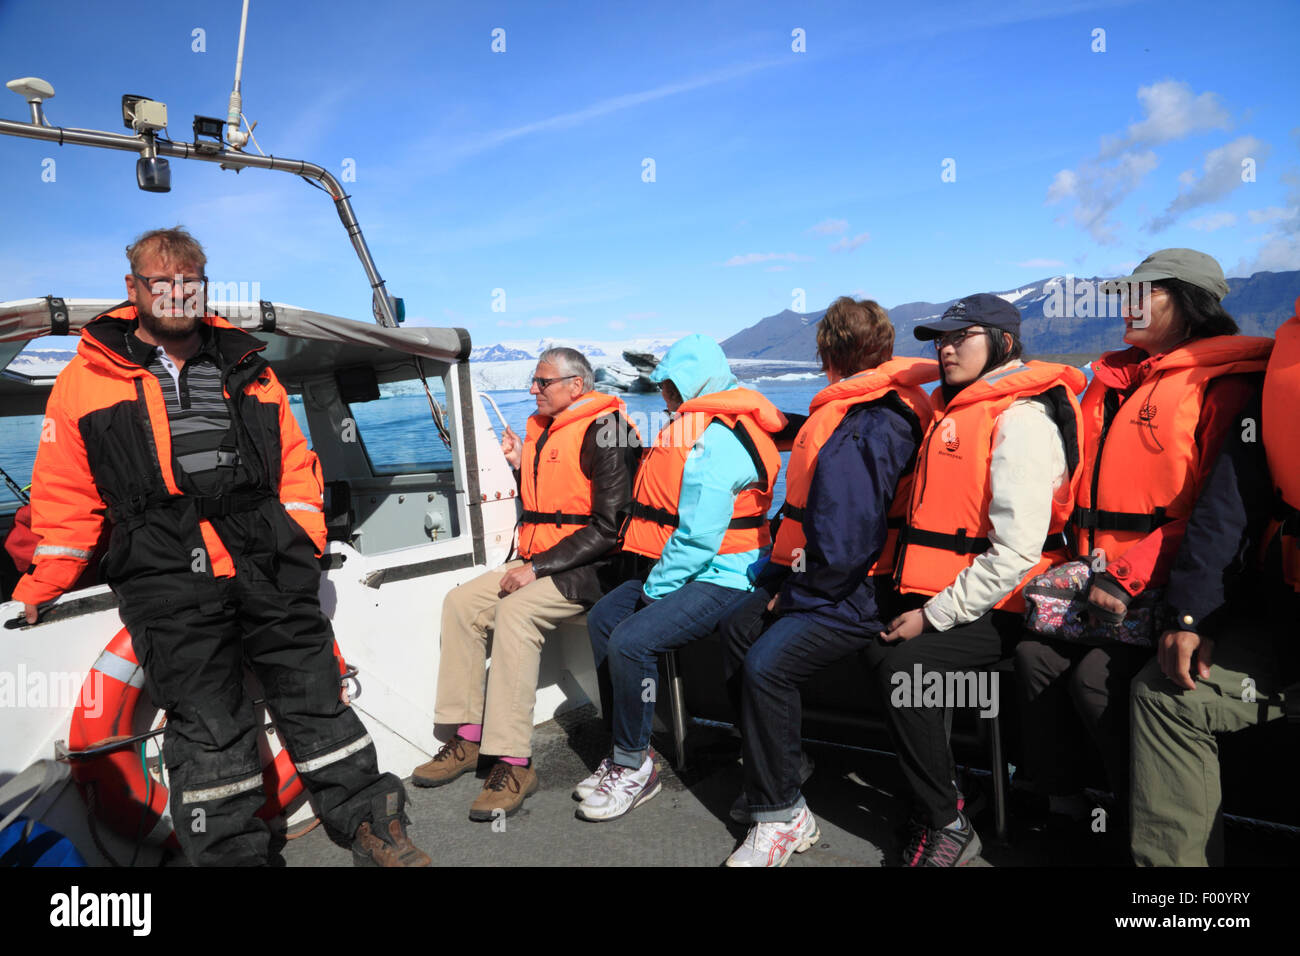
column 1224, row 528
column 848, row 502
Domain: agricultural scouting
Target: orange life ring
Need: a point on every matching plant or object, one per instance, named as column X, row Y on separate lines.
column 125, row 797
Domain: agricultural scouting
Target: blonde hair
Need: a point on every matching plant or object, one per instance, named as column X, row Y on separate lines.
column 173, row 245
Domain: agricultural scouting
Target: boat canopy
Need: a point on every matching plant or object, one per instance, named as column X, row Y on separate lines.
column 300, row 343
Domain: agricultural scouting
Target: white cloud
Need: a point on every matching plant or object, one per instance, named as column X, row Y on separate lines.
column 751, row 258
column 829, row 227
column 1272, row 212
column 1172, row 112
column 1222, row 174
column 1040, row 264
column 1214, row 221
column 1097, row 189
column 1280, row 251
column 617, row 324
column 601, row 108
column 848, row 245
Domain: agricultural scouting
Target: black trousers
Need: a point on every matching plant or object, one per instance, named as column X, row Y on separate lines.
column 1071, row 693
column 194, row 668
column 920, row 733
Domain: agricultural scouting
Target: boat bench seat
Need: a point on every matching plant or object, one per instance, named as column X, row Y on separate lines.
column 839, row 707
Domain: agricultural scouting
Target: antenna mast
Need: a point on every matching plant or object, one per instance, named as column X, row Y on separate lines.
column 234, row 136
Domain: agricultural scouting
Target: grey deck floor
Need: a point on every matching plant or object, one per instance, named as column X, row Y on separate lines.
column 685, row 825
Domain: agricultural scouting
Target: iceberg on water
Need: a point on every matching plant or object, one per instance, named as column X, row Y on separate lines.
column 787, row 377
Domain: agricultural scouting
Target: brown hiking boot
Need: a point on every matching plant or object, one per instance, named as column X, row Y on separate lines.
column 504, row 791
column 386, row 844
column 457, row 756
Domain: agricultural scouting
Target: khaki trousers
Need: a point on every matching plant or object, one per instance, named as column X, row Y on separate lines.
column 518, row 624
column 1177, row 813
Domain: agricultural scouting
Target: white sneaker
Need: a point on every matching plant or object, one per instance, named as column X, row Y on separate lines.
column 740, row 808
column 620, row 790
column 585, row 787
column 771, row 844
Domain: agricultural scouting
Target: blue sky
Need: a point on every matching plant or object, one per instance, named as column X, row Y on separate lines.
column 774, row 170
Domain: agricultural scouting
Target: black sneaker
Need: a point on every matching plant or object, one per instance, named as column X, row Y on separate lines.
column 929, row 846
column 918, row 835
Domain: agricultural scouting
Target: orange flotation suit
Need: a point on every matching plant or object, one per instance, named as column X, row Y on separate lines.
column 902, row 377
column 1141, row 459
column 657, row 490
column 1281, row 442
column 556, row 494
column 948, row 516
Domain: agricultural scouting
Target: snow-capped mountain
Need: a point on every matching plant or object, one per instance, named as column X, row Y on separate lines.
column 498, row 353
column 1059, row 315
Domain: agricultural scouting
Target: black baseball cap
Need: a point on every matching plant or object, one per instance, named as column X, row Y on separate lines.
column 983, row 308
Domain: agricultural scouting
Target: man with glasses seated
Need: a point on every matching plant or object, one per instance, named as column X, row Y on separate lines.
column 169, row 427
column 574, row 468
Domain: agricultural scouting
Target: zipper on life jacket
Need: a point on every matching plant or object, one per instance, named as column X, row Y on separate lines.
column 235, row 416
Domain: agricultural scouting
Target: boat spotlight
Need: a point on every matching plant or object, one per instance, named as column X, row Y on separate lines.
column 33, row 89
column 147, row 117
column 153, row 174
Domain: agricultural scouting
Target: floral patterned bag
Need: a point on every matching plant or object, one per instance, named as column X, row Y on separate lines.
column 1056, row 606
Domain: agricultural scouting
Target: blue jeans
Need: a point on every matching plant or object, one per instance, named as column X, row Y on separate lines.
column 631, row 638
column 767, row 659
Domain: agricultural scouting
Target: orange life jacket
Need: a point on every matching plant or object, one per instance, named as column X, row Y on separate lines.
column 657, row 489
column 1141, row 459
column 121, row 466
column 556, row 494
column 900, row 376
column 948, row 516
column 1278, row 431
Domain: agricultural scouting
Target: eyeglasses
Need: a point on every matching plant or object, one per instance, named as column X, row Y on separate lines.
column 542, row 383
column 161, row 285
column 1137, row 295
column 956, row 337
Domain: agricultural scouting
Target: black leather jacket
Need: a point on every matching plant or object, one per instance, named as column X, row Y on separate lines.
column 585, row 564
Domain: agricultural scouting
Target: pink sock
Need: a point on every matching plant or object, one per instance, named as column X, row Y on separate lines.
column 515, row 761
column 471, row 732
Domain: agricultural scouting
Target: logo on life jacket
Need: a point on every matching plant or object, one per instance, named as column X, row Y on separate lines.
column 952, row 444
column 1147, row 412
column 555, row 454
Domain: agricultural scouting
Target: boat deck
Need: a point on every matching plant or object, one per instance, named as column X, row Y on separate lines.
column 852, row 794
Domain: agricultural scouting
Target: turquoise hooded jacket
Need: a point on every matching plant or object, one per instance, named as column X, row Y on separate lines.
column 717, row 469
